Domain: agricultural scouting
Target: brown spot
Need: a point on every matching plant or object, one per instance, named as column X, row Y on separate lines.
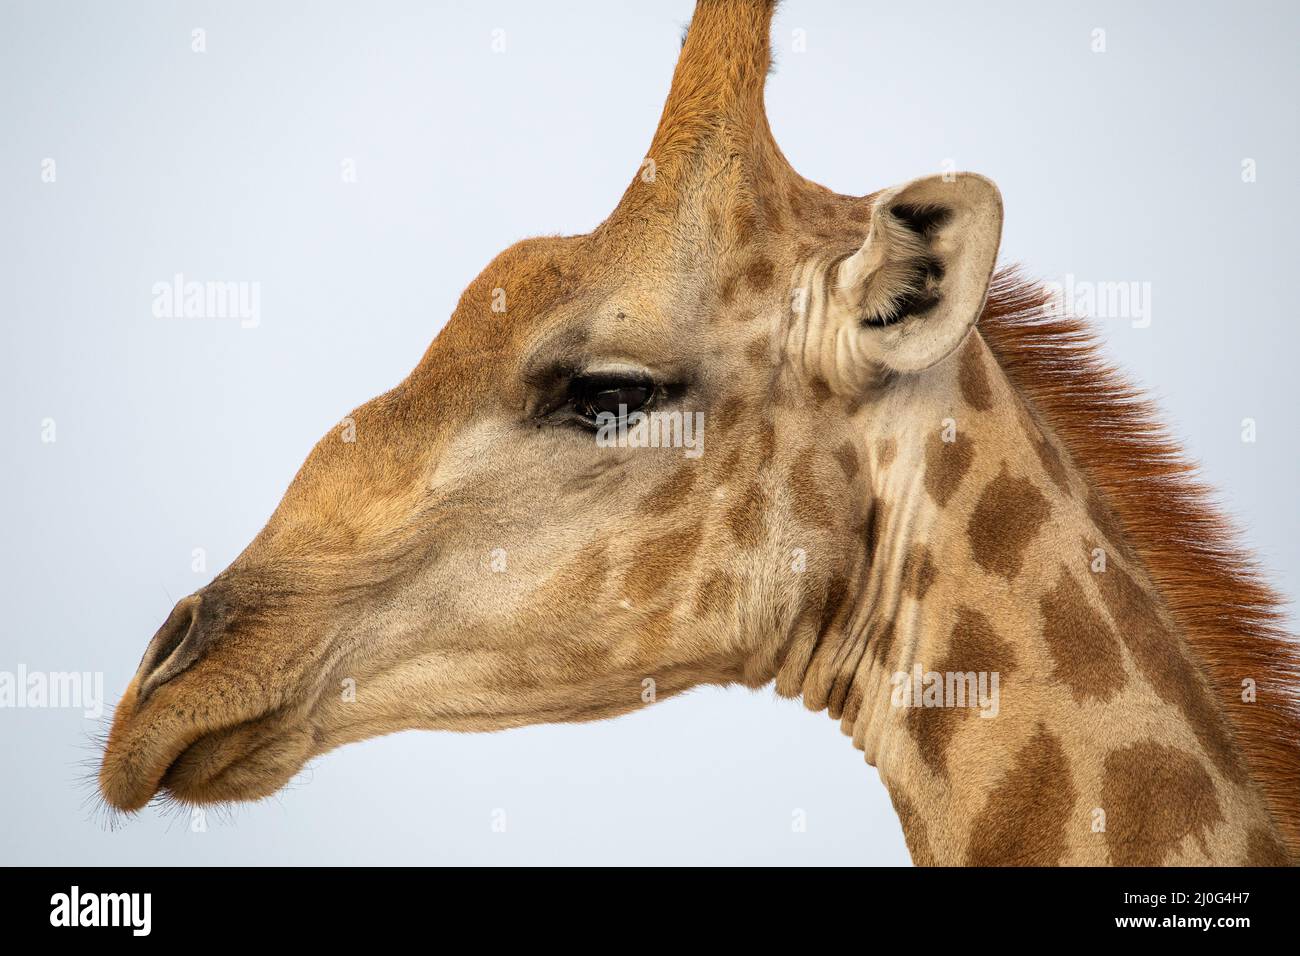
column 1005, row 520
column 973, row 646
column 919, row 571
column 759, row 351
column 821, row 392
column 1154, row 796
column 672, row 492
column 731, row 467
column 809, row 505
column 759, row 273
column 729, row 413
column 972, row 376
column 716, row 593
column 1265, row 849
column 946, row 463
column 915, row 831
column 795, row 199
column 886, row 449
column 658, row 559
column 745, row 516
column 728, row 290
column 1025, row 821
column 1162, row 660
column 847, row 456
column 1086, row 656
column 582, row 577
column 748, row 455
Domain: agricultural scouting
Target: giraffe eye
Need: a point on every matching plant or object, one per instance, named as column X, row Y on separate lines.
column 616, row 395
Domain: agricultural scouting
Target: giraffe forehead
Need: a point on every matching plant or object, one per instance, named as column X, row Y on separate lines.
column 656, row 293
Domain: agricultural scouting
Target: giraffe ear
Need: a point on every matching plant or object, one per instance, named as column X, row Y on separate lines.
column 908, row 296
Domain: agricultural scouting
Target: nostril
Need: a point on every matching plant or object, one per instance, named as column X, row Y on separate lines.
column 169, row 636
column 177, row 645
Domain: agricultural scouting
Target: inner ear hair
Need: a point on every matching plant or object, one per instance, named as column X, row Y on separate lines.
column 923, row 219
column 907, row 280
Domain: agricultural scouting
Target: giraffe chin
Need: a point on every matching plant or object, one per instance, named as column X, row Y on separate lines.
column 241, row 762
column 226, row 766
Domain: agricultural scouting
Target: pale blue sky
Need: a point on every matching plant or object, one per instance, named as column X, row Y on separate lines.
column 1115, row 166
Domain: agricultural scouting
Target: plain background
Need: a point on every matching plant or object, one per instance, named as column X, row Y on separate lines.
column 226, row 165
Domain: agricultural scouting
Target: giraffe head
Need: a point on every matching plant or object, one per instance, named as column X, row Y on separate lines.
column 480, row 547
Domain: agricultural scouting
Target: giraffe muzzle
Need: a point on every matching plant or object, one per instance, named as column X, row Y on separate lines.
column 172, row 731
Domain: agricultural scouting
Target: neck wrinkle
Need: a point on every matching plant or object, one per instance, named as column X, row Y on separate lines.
column 888, row 625
column 866, row 623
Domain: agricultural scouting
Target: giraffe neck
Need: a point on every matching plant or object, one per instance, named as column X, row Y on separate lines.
column 1004, row 660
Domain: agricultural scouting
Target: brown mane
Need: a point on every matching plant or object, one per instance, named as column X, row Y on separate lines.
column 1232, row 619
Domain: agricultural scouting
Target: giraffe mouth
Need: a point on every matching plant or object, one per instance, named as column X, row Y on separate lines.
column 151, row 753
column 246, row 761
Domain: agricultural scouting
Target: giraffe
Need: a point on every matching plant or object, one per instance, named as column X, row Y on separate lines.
column 915, row 488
